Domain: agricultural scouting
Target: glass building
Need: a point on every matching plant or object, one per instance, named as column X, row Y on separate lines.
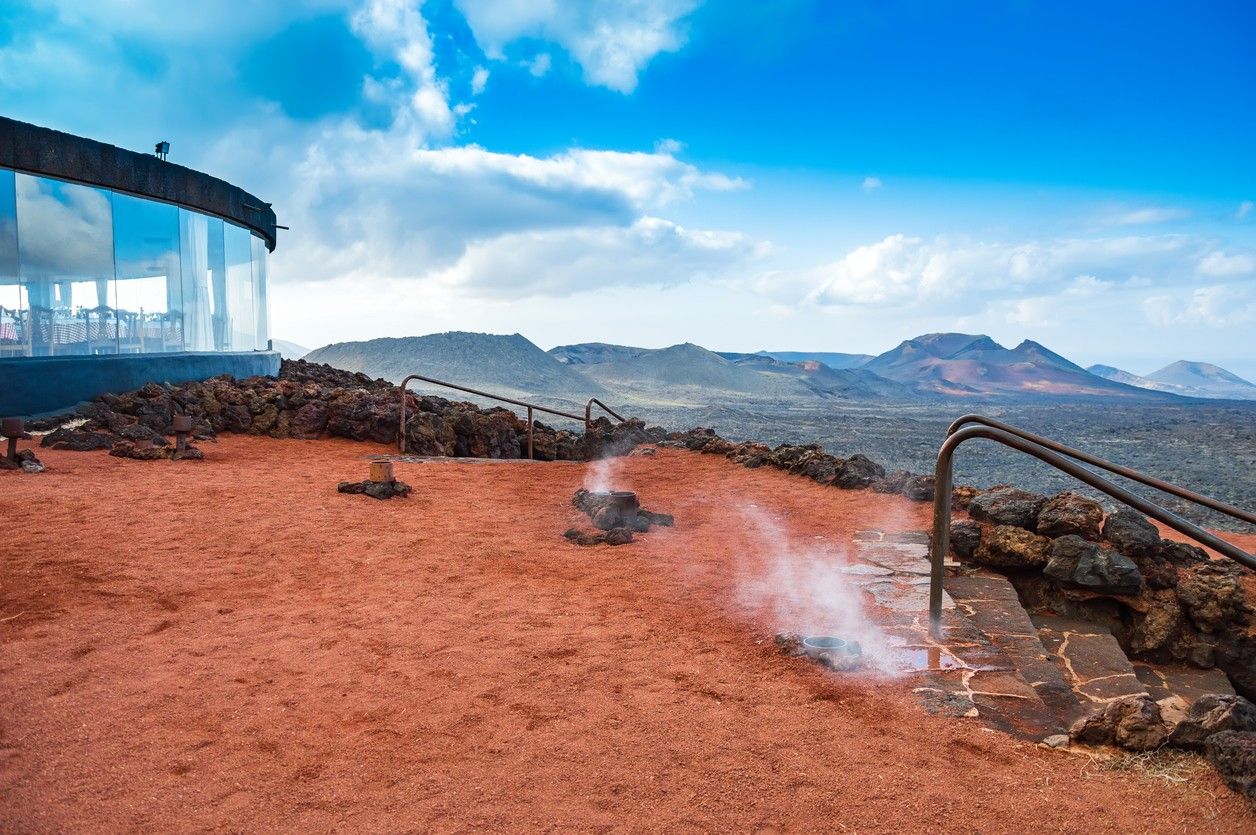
column 86, row 270
column 119, row 268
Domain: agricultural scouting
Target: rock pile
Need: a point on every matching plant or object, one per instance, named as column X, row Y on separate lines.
column 1222, row 727
column 26, row 461
column 811, row 461
column 309, row 401
column 1165, row 601
column 375, row 489
column 618, row 516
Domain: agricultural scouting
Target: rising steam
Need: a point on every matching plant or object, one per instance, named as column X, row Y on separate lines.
column 601, row 476
column 803, row 589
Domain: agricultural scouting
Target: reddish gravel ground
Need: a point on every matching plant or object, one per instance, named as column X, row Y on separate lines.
column 232, row 645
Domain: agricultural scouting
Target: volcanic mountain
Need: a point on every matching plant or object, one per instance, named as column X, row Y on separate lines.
column 974, row 365
column 687, row 370
column 833, row 360
column 1189, row 379
column 509, row 365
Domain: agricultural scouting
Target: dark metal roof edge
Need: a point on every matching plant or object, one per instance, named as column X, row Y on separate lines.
column 38, row 150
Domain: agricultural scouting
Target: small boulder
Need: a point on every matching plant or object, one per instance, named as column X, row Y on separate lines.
column 858, row 471
column 1007, row 506
column 1212, row 714
column 1069, row 513
column 965, row 537
column 76, row 440
column 1212, row 595
column 1008, row 546
column 1076, row 563
column 1180, row 553
column 1233, row 754
column 618, row 536
column 919, row 488
column 1130, row 532
column 1131, row 722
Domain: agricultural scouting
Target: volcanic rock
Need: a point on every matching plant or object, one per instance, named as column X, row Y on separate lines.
column 1212, row 714
column 375, row 489
column 77, row 440
column 858, row 471
column 892, row 483
column 1161, row 627
column 919, row 488
column 1009, row 546
column 25, row 461
column 1085, row 565
column 1130, row 532
column 1069, row 513
column 965, row 537
column 1212, row 595
column 1180, row 553
column 1233, row 754
column 962, row 496
column 1007, row 506
column 1132, row 722
column 1236, row 656
column 1157, row 571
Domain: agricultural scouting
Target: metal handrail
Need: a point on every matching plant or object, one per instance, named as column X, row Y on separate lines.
column 1133, row 475
column 588, row 412
column 401, row 432
column 942, row 506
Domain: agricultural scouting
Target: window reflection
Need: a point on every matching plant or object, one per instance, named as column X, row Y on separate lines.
column 240, row 312
column 148, row 291
column 65, row 243
column 89, row 271
column 10, row 290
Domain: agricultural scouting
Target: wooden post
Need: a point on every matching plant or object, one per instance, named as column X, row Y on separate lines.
column 529, row 432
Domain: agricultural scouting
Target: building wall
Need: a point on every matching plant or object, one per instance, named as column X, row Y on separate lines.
column 39, row 385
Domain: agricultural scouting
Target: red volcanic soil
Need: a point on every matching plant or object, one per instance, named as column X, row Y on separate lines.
column 233, row 645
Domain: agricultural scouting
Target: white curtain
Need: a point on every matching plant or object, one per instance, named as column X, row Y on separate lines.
column 198, row 334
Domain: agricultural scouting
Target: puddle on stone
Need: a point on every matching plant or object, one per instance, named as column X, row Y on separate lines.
column 928, row 658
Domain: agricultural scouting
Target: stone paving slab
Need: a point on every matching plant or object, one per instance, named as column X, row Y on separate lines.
column 1187, row 683
column 1089, row 659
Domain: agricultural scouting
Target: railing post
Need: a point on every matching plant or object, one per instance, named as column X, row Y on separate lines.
column 942, row 477
column 529, row 433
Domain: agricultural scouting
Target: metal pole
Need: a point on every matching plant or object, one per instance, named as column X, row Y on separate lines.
column 941, row 536
column 529, row 433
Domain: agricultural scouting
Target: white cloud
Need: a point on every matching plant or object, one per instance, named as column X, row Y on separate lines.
column 1220, row 265
column 1144, row 215
column 540, row 65
column 611, row 40
column 871, row 183
column 479, row 80
column 912, row 271
column 396, row 29
column 1245, row 209
column 1215, row 306
column 560, row 262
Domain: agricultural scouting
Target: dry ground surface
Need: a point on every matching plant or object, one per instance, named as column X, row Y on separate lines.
column 232, row 645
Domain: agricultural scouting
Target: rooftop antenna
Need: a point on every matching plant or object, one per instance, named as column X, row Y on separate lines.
column 162, row 149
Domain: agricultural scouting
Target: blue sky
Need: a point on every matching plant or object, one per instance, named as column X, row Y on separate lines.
column 790, row 175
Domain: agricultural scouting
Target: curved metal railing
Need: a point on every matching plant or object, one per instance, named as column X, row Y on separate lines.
column 1015, row 440
column 531, row 407
column 1134, row 475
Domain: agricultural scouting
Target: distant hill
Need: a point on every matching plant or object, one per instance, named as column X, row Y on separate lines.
column 695, row 372
column 832, row 360
column 1189, row 379
column 289, row 350
column 688, row 370
column 593, row 353
column 509, row 365
column 973, row 365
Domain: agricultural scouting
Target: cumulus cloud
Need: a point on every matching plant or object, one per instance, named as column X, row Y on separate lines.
column 1144, row 215
column 1214, row 306
column 1220, row 264
column 871, row 183
column 361, row 207
column 910, row 270
column 559, row 262
column 611, row 40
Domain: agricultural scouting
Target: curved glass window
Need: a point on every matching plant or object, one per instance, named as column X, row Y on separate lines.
column 85, row 271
